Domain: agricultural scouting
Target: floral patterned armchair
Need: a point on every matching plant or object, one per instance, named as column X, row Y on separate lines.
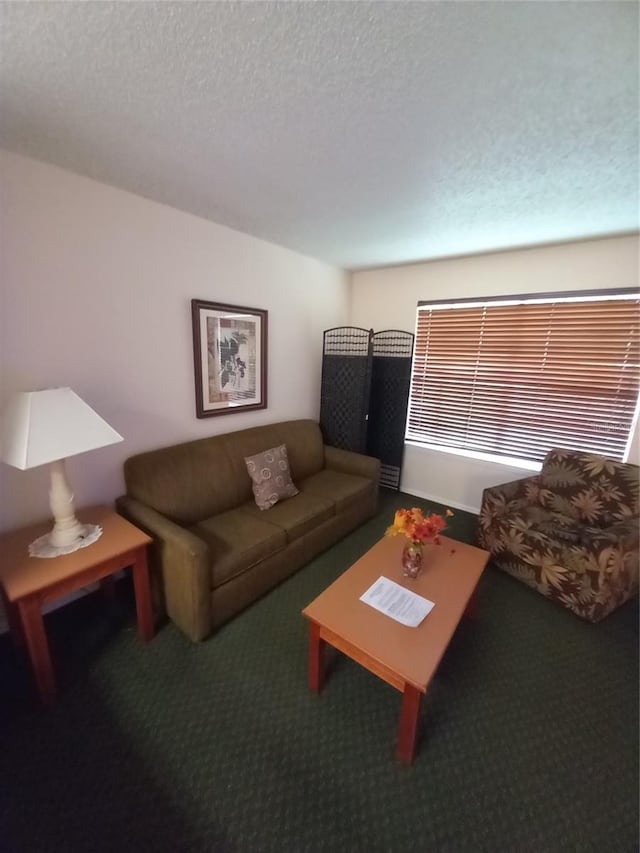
column 571, row 532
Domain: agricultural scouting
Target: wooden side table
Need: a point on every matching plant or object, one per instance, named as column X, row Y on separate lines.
column 28, row 582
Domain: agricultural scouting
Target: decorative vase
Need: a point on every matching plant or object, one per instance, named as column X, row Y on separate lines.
column 412, row 559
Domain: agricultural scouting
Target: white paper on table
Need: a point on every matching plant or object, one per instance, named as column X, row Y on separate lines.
column 394, row 600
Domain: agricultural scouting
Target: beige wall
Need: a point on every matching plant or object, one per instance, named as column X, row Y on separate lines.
column 96, row 289
column 95, row 293
column 387, row 298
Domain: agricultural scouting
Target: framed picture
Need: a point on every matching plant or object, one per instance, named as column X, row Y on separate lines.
column 230, row 358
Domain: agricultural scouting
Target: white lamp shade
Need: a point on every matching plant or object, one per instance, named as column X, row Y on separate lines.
column 44, row 426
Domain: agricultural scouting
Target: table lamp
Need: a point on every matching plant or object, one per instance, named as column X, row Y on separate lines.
column 41, row 427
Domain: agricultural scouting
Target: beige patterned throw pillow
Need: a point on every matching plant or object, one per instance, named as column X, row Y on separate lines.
column 269, row 471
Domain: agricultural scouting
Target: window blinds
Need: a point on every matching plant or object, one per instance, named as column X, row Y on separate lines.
column 516, row 378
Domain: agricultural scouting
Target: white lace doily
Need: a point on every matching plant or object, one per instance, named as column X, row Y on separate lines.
column 42, row 547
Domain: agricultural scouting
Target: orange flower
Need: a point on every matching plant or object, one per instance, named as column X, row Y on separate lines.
column 417, row 526
column 401, row 523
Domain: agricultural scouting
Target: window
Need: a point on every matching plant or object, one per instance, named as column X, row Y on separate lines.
column 517, row 376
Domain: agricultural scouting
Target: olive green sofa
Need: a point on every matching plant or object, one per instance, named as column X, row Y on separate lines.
column 214, row 552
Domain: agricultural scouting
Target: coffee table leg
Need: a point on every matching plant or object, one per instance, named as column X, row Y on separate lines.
column 471, row 610
column 408, row 724
column 316, row 658
column 142, row 589
column 35, row 638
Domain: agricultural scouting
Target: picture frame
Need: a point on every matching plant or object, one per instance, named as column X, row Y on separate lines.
column 229, row 357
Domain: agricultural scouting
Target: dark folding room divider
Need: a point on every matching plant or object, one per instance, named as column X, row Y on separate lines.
column 346, row 380
column 388, row 399
column 364, row 394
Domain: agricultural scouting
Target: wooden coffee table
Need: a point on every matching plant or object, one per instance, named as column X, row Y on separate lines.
column 404, row 657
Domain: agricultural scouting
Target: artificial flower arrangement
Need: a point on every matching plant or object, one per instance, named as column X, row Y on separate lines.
column 418, row 527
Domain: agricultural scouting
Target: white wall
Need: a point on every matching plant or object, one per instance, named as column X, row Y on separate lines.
column 96, row 289
column 95, row 293
column 387, row 299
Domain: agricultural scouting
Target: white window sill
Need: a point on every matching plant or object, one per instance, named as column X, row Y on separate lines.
column 507, row 461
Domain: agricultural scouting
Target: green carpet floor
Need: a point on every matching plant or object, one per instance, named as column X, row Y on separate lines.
column 529, row 732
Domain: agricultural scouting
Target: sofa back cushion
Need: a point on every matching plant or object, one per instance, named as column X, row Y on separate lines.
column 305, row 447
column 589, row 487
column 195, row 480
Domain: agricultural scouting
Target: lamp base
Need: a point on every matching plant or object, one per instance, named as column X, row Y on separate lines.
column 44, row 546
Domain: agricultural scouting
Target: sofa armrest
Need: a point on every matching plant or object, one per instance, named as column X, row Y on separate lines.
column 348, row 462
column 184, row 563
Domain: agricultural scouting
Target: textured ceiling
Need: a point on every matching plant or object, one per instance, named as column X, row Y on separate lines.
column 360, row 133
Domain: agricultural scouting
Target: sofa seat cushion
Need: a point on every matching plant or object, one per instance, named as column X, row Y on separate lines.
column 344, row 490
column 238, row 542
column 295, row 516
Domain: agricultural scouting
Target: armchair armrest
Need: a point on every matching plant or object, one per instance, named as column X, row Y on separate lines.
column 608, row 560
column 505, row 500
column 184, row 563
column 508, row 496
column 348, row 462
column 525, row 488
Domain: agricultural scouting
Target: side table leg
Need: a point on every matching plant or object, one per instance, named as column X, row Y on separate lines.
column 316, row 658
column 406, row 748
column 35, row 638
column 142, row 588
column 14, row 622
